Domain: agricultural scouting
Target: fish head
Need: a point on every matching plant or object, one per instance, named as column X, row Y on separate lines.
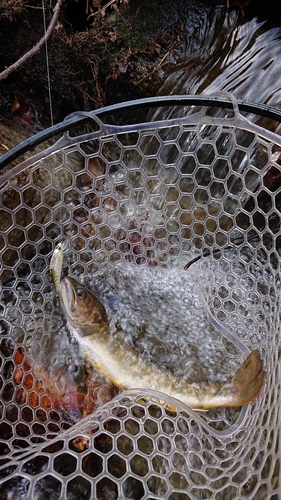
column 83, row 311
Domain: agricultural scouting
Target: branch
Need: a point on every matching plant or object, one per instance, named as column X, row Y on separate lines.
column 102, row 10
column 36, row 47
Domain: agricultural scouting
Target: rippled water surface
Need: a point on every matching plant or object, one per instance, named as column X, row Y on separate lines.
column 226, row 51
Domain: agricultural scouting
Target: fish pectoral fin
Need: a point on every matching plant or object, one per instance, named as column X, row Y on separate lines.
column 248, row 381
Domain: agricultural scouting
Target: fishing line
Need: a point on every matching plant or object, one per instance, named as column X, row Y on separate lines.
column 48, row 67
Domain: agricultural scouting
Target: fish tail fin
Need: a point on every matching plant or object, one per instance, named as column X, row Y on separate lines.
column 248, row 380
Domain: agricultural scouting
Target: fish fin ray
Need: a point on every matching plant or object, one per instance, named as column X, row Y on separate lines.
column 248, row 381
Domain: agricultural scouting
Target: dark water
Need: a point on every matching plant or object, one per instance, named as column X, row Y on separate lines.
column 226, row 51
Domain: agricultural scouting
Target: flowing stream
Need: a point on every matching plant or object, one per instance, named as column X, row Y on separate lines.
column 226, row 52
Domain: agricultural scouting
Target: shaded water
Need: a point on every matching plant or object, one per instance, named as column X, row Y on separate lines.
column 225, row 51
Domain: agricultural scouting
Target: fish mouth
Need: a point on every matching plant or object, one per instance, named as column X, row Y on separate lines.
column 67, row 294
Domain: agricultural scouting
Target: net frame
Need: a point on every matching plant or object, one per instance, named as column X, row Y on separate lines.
column 238, row 464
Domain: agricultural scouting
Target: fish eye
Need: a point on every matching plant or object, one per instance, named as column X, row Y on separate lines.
column 81, row 294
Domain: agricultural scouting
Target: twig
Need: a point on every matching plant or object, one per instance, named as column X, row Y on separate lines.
column 36, row 47
column 102, row 10
column 3, row 146
column 156, row 67
column 237, row 241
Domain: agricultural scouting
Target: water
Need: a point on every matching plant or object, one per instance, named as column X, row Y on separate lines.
column 158, row 313
column 226, row 52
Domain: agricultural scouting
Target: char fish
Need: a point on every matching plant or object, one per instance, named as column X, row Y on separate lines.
column 126, row 369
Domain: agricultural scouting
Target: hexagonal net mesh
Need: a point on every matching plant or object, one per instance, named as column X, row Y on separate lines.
column 137, row 202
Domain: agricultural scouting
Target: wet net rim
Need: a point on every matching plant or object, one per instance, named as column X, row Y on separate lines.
column 222, row 439
column 81, row 118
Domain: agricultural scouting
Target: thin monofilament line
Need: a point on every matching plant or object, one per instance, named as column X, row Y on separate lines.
column 47, row 66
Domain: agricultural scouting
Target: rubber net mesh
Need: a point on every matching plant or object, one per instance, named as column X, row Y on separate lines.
column 136, row 205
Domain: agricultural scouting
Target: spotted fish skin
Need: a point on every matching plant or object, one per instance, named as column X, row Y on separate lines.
column 126, row 369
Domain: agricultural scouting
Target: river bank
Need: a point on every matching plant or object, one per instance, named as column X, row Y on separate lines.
column 99, row 56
